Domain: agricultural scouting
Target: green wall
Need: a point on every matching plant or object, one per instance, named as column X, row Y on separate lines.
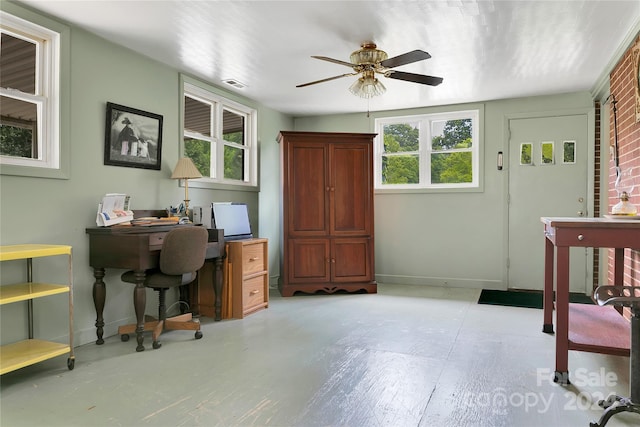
column 57, row 211
column 456, row 238
column 421, row 238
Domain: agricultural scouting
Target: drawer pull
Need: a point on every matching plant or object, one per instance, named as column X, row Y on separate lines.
column 580, row 237
column 254, row 292
column 255, row 258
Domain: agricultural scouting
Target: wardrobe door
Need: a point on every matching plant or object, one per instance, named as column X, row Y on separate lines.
column 350, row 203
column 351, row 260
column 308, row 261
column 307, row 189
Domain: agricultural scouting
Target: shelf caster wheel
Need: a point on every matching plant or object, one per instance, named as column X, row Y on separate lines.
column 198, row 335
column 71, row 363
column 124, row 337
column 156, row 345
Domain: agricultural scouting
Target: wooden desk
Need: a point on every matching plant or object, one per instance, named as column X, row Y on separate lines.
column 138, row 248
column 561, row 234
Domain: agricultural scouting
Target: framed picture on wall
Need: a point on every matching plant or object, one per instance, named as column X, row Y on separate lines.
column 133, row 138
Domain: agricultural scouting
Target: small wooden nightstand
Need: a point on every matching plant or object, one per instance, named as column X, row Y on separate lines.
column 248, row 273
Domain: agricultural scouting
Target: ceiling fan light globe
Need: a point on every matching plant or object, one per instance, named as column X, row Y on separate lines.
column 367, row 87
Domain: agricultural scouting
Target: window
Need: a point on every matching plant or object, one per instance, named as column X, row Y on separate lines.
column 220, row 137
column 29, row 100
column 428, row 151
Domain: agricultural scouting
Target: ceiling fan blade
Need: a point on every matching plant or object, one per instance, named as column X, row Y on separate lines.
column 327, row 79
column 416, row 78
column 335, row 61
column 405, row 58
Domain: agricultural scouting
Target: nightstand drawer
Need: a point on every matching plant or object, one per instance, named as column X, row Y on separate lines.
column 253, row 259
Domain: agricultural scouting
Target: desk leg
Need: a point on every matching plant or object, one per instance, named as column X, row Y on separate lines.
column 562, row 315
column 547, row 301
column 139, row 303
column 99, row 295
column 217, row 281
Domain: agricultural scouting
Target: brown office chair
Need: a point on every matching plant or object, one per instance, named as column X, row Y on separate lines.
column 182, row 255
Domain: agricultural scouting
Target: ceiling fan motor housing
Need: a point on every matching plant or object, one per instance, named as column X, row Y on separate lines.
column 368, row 54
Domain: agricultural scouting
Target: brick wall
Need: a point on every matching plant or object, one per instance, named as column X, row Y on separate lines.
column 622, row 81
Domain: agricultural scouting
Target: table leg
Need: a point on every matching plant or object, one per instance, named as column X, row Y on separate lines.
column 618, row 268
column 547, row 300
column 217, row 282
column 99, row 295
column 562, row 315
column 618, row 272
column 139, row 303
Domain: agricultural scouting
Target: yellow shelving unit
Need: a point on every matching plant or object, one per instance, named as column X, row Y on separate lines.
column 27, row 352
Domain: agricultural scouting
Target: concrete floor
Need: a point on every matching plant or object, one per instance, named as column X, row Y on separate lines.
column 407, row 356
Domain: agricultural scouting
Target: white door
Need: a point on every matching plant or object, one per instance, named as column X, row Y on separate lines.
column 547, row 177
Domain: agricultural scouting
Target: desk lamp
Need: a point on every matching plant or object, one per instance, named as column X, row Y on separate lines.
column 185, row 169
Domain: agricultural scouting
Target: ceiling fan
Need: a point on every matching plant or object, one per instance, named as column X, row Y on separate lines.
column 368, row 60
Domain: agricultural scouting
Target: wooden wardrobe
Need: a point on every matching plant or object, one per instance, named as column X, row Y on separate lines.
column 327, row 213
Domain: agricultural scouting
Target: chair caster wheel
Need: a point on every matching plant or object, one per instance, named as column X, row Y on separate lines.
column 124, row 337
column 198, row 335
column 156, row 345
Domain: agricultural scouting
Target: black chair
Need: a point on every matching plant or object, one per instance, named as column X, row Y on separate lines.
column 623, row 296
column 182, row 255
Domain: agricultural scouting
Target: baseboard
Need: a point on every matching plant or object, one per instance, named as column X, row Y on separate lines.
column 451, row 282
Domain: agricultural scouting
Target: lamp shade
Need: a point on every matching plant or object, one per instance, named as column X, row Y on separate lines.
column 367, row 86
column 185, row 169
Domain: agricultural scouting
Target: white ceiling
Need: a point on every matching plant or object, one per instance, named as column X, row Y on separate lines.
column 483, row 49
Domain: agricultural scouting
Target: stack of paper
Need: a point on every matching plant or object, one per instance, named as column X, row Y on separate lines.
column 114, row 209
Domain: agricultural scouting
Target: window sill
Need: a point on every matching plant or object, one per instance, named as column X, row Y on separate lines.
column 221, row 186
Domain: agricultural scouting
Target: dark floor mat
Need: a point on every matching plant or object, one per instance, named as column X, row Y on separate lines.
column 527, row 299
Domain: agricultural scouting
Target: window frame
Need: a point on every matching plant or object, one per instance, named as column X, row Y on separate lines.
column 218, row 105
column 475, row 113
column 51, row 98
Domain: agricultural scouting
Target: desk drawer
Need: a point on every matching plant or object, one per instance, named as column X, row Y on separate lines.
column 155, row 240
column 253, row 259
column 253, row 293
column 248, row 276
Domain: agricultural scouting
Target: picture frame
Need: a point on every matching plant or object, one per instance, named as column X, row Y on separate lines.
column 133, row 138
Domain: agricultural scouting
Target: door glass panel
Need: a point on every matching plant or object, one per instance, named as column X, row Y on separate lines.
column 526, row 153
column 546, row 153
column 569, row 152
